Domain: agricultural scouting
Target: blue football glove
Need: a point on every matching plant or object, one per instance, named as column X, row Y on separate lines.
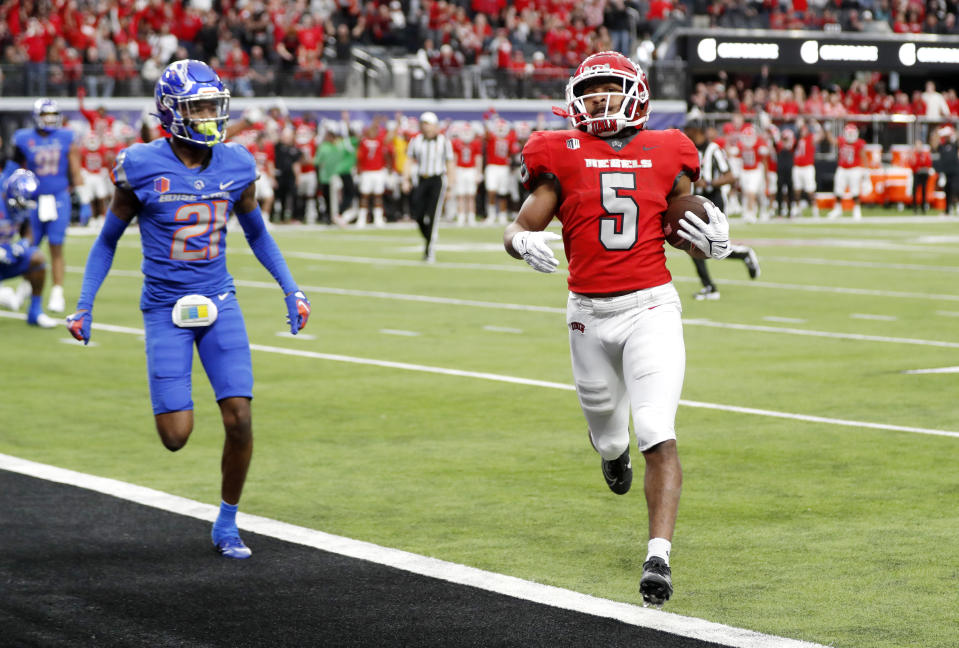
column 79, row 325
column 298, row 311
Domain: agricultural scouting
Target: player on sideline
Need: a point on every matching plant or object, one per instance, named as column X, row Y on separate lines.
column 51, row 152
column 608, row 182
column 19, row 257
column 183, row 189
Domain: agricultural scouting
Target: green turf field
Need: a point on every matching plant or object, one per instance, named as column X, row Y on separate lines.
column 817, row 505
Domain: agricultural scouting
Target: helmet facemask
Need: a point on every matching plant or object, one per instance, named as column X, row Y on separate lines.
column 201, row 118
column 633, row 108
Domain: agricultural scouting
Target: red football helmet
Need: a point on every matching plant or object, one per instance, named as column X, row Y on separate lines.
column 748, row 136
column 608, row 66
column 850, row 133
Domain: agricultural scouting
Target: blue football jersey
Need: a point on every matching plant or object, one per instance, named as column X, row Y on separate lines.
column 183, row 216
column 47, row 155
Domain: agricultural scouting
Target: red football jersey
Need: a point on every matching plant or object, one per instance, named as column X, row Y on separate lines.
column 754, row 155
column 93, row 160
column 265, row 154
column 500, row 149
column 612, row 202
column 371, row 154
column 850, row 154
column 466, row 153
column 805, row 150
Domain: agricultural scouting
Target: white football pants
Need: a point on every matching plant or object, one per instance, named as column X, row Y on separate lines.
column 628, row 357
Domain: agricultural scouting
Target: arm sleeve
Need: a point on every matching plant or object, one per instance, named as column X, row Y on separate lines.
column 266, row 250
column 100, row 260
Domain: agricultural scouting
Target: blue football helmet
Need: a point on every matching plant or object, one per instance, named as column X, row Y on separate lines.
column 20, row 193
column 46, row 115
column 192, row 103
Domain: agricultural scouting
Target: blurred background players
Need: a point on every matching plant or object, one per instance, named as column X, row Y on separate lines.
column 500, row 146
column 468, row 151
column 51, row 153
column 848, row 177
column 288, row 168
column 95, row 189
column 18, row 256
column 752, row 153
column 920, row 163
column 947, row 165
column 785, row 147
column 373, row 158
column 715, row 178
column 808, row 135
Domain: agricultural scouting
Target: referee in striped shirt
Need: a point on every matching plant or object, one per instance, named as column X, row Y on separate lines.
column 715, row 176
column 431, row 153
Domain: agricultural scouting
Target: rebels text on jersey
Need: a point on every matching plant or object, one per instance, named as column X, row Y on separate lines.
column 183, row 214
column 611, row 202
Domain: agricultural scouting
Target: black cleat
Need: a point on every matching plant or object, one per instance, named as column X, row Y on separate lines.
column 708, row 292
column 618, row 473
column 752, row 264
column 656, row 585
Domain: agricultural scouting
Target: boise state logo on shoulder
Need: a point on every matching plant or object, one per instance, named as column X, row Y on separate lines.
column 161, row 185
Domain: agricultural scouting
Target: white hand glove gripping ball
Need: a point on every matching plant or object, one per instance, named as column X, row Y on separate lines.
column 712, row 237
column 535, row 250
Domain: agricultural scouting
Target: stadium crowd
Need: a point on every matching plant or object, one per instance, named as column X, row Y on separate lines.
column 290, row 47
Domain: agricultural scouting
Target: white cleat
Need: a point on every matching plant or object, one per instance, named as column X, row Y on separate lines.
column 44, row 321
column 56, row 303
column 8, row 299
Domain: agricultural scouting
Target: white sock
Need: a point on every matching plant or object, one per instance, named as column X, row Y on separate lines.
column 378, row 218
column 659, row 547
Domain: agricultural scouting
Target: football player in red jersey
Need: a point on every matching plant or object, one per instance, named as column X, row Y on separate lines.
column 608, row 182
column 849, row 170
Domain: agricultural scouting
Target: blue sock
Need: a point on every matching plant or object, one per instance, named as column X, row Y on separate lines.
column 36, row 307
column 227, row 517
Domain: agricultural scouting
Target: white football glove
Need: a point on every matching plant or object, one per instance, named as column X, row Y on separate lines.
column 535, row 250
column 712, row 237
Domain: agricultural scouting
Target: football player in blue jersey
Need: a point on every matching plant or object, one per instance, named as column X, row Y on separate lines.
column 18, row 256
column 50, row 151
column 183, row 189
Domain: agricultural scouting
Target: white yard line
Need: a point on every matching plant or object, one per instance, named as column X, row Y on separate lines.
column 872, row 317
column 530, row 382
column 414, row 563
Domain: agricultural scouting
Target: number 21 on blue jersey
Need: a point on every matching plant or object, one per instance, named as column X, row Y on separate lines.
column 209, row 220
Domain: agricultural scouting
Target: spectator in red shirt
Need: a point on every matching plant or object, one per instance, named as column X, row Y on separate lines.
column 815, row 102
column 35, row 40
column 918, row 106
column 900, row 104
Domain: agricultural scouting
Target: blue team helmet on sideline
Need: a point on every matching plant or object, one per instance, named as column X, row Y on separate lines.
column 192, row 103
column 46, row 115
column 20, row 193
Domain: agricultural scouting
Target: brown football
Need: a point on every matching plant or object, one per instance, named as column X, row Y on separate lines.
column 675, row 212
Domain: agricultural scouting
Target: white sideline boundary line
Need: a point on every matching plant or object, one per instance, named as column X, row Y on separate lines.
column 549, row 595
column 529, row 382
